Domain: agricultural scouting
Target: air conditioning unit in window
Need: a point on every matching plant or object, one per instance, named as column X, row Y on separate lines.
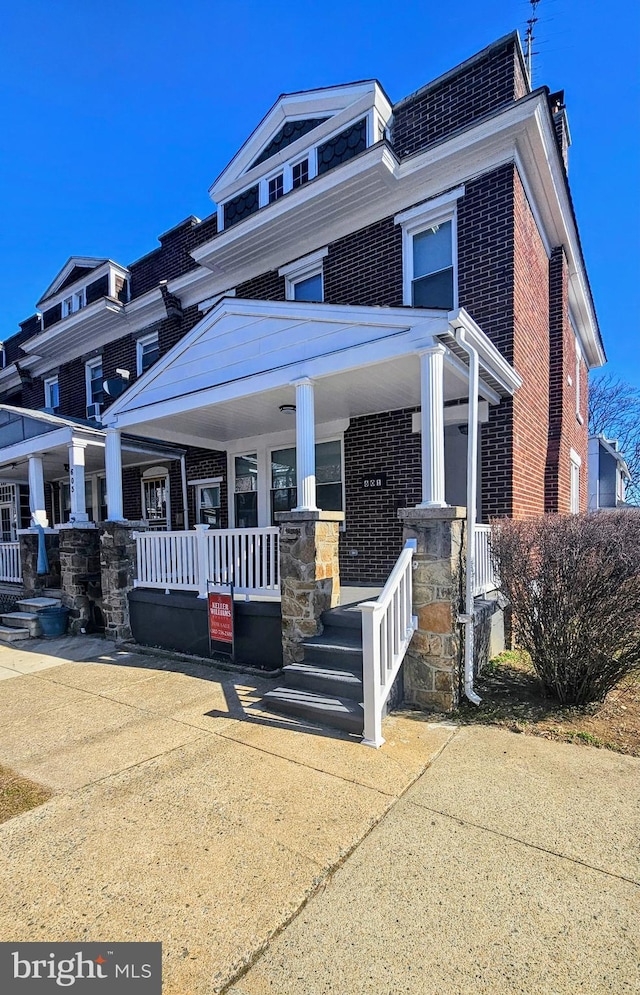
column 93, row 411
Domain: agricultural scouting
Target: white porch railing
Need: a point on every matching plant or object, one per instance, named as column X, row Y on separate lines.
column 10, row 562
column 185, row 561
column 485, row 574
column 387, row 628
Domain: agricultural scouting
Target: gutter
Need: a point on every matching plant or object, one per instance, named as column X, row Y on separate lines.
column 472, row 487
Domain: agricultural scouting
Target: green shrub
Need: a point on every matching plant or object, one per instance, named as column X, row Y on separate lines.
column 574, row 587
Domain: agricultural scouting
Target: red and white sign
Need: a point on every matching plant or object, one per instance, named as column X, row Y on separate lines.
column 221, row 617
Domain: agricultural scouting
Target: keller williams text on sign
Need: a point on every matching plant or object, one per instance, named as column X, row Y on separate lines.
column 221, row 617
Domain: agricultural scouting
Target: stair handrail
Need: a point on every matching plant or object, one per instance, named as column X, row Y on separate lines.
column 387, row 627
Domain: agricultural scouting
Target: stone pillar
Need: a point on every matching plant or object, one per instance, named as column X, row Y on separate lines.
column 433, row 664
column 113, row 467
column 79, row 567
column 305, row 446
column 36, row 492
column 309, row 574
column 118, row 566
column 35, row 584
column 432, row 426
column 78, row 512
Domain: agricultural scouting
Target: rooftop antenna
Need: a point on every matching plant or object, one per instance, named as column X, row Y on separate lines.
column 529, row 53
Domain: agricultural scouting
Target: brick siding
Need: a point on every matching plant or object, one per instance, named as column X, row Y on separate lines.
column 459, row 99
column 365, row 267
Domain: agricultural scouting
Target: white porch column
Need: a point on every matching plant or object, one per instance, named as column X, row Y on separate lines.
column 113, row 466
column 305, row 446
column 36, row 492
column 432, row 426
column 76, row 482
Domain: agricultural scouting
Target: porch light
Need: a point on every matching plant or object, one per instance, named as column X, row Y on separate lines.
column 288, row 409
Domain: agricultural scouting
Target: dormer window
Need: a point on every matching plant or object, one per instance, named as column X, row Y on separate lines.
column 73, row 303
column 276, row 187
column 299, row 173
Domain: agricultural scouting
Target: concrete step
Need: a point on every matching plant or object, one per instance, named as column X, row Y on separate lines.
column 23, row 620
column 342, row 618
column 306, row 677
column 35, row 604
column 330, row 710
column 335, row 651
column 10, row 635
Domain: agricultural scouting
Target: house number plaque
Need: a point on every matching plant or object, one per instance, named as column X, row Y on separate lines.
column 373, row 482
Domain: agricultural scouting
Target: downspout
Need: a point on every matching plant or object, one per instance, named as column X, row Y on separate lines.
column 472, row 489
column 185, row 501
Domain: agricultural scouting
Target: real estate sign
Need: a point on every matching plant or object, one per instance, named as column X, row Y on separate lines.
column 220, row 614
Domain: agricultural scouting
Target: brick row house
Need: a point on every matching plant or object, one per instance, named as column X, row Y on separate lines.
column 386, row 321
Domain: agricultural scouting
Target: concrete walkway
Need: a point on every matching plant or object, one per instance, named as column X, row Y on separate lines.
column 450, row 861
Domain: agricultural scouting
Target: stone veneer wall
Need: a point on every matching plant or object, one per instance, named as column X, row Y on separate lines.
column 36, row 584
column 118, row 565
column 309, row 575
column 79, row 564
column 432, row 666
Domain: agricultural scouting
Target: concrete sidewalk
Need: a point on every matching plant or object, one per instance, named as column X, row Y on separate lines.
column 449, row 861
column 512, row 865
column 184, row 813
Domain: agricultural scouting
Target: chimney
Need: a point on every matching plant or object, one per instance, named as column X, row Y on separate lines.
column 561, row 125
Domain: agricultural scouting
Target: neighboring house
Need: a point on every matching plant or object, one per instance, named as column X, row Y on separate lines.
column 374, row 275
column 609, row 474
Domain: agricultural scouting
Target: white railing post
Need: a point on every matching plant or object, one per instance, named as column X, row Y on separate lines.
column 202, row 559
column 371, row 675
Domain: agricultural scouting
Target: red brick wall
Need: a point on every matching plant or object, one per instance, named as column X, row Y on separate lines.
column 565, row 430
column 531, row 360
column 266, row 287
column 365, row 267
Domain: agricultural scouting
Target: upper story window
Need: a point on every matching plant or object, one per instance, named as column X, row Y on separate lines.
column 432, row 262
column 304, row 278
column 74, row 303
column 429, row 253
column 52, row 393
column 276, row 187
column 147, row 352
column 93, row 373
column 299, row 173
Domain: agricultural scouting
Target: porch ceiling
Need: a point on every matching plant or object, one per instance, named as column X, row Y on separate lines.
column 384, row 386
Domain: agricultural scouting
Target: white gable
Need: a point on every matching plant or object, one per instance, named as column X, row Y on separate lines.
column 338, row 106
column 79, row 262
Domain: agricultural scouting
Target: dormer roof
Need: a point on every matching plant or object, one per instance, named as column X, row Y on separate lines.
column 75, row 269
column 294, row 122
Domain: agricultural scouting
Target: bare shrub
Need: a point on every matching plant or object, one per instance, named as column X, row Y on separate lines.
column 574, row 587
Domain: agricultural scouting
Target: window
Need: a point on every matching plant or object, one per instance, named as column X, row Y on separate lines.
column 303, row 278
column 432, row 282
column 429, row 252
column 276, row 187
column 155, row 497
column 74, row 303
column 52, row 393
column 309, row 289
column 147, row 351
column 577, row 374
column 208, row 503
column 246, row 491
column 328, row 478
column 574, row 494
column 299, row 174
column 95, row 392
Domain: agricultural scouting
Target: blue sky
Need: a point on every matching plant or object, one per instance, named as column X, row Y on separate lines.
column 116, row 118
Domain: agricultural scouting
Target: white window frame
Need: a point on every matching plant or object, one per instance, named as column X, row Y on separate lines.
column 90, row 365
column 79, row 299
column 67, row 306
column 49, row 383
column 574, row 483
column 303, row 269
column 200, row 485
column 156, row 473
column 437, row 211
column 140, row 344
column 319, row 442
